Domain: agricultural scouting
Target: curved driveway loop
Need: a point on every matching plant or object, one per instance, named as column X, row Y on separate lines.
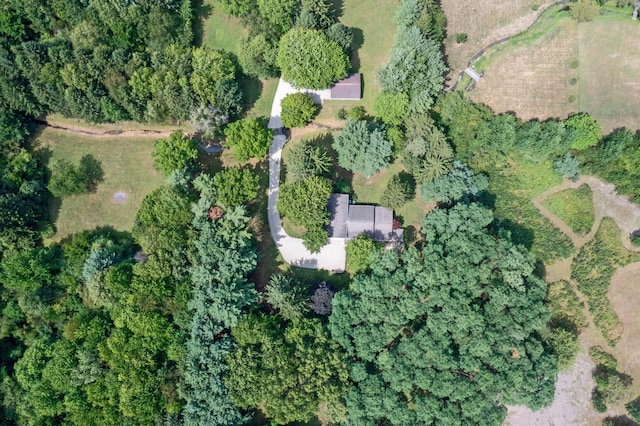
column 332, row 257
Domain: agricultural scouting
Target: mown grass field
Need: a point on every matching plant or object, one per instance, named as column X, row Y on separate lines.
column 564, row 67
column 374, row 31
column 574, row 207
column 127, row 166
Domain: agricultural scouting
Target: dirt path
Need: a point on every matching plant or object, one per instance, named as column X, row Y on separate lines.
column 110, row 134
column 606, row 202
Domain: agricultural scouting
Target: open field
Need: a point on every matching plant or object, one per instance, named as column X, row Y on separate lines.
column 374, row 31
column 127, row 166
column 574, row 207
column 484, row 22
column 534, row 79
column 572, row 67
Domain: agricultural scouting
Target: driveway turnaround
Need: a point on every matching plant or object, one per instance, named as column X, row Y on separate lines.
column 332, row 257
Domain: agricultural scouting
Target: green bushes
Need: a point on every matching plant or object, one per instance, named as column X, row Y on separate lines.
column 616, row 159
column 298, row 109
column 611, row 386
column 235, row 186
column 567, row 322
column 574, row 207
column 68, row 179
column 593, row 269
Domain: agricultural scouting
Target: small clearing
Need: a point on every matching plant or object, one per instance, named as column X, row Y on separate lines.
column 128, row 169
column 574, row 207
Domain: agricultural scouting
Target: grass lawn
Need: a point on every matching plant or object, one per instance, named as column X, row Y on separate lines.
column 223, row 32
column 374, row 31
column 127, row 166
column 574, row 207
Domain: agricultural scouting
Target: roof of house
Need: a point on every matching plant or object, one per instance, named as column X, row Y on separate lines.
column 361, row 219
column 348, row 88
column 351, row 220
column 338, row 213
column 383, row 225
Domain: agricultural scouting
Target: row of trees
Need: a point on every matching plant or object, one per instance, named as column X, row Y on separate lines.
column 301, row 39
column 102, row 61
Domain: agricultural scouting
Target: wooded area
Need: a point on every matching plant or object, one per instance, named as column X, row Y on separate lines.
column 168, row 323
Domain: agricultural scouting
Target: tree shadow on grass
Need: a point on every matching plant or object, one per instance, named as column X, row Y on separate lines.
column 358, row 41
column 201, row 12
column 619, row 421
column 91, row 169
column 252, row 88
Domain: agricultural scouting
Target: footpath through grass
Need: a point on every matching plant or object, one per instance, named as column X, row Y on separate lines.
column 593, row 268
column 127, row 166
column 514, row 186
column 574, row 207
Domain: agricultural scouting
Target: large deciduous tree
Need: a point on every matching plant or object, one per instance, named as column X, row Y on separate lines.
column 298, row 109
column 235, row 186
column 363, row 148
column 286, row 371
column 175, row 153
column 449, row 333
column 248, row 138
column 587, row 129
column 308, row 59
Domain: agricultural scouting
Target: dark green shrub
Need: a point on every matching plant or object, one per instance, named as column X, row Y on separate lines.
column 598, row 402
column 461, row 37
column 341, row 114
column 357, row 113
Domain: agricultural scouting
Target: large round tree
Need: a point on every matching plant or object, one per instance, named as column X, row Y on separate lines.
column 447, row 334
column 309, row 59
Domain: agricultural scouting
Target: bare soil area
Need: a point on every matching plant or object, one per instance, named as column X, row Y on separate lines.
column 572, row 403
column 624, row 295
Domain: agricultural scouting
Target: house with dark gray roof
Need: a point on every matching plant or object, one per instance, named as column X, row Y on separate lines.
column 349, row 88
column 350, row 220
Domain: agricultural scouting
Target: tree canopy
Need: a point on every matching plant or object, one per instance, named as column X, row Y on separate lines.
column 249, row 138
column 287, row 371
column 447, row 333
column 308, row 59
column 175, row 153
column 363, row 147
column 298, row 109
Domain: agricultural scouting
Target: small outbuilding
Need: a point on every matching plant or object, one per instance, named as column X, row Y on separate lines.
column 349, row 88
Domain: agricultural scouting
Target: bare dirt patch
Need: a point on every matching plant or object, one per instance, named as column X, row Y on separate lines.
column 534, row 81
column 572, row 402
column 624, row 295
column 484, row 22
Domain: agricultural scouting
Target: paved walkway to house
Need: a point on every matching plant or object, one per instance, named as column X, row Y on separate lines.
column 332, row 257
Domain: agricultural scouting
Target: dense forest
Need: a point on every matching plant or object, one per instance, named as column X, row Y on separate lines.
column 162, row 324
